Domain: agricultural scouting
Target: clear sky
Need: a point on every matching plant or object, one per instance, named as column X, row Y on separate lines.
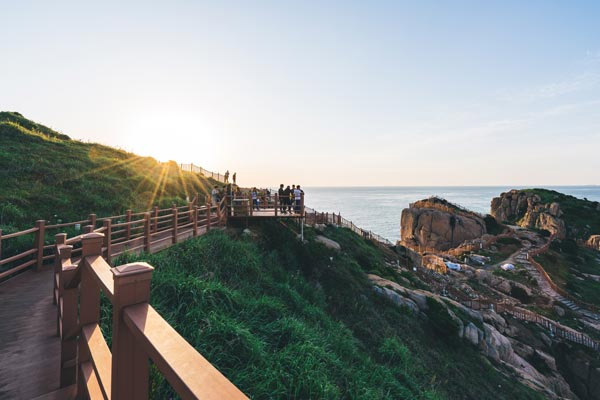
column 320, row 93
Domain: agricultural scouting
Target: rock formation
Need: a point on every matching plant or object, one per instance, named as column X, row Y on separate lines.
column 437, row 224
column 527, row 210
column 594, row 242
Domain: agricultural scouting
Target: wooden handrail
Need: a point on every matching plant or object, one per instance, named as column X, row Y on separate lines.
column 139, row 332
column 174, row 357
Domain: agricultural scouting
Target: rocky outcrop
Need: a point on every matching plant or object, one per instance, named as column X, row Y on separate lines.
column 594, row 242
column 328, row 242
column 436, row 224
column 526, row 209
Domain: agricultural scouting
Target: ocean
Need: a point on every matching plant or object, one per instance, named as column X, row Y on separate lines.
column 379, row 208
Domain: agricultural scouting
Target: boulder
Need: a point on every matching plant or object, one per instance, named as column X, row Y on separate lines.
column 472, row 333
column 594, row 242
column 328, row 242
column 527, row 210
column 559, row 311
column 436, row 224
column 397, row 298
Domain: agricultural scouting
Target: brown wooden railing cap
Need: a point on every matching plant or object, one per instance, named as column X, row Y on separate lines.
column 131, row 269
column 60, row 238
column 92, row 235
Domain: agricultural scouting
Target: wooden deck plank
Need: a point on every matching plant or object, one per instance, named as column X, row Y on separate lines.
column 29, row 346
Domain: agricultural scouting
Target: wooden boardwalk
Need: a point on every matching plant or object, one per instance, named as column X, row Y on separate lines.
column 29, row 346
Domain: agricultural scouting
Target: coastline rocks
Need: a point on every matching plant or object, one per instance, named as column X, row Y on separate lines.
column 594, row 242
column 526, row 209
column 439, row 225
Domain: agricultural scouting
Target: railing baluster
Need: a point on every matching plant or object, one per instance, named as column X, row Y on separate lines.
column 129, row 362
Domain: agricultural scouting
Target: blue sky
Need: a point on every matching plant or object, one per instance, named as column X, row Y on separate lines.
column 320, row 93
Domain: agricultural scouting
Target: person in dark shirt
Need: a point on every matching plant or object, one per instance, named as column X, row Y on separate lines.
column 286, row 197
column 281, row 197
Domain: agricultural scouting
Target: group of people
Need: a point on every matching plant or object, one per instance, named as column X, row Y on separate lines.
column 227, row 177
column 290, row 197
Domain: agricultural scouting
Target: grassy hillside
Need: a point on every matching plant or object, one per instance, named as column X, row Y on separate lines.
column 46, row 175
column 286, row 320
column 581, row 216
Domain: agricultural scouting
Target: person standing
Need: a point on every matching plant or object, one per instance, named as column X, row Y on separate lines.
column 227, row 176
column 254, row 195
column 298, row 199
column 281, row 195
column 286, row 198
column 215, row 195
column 233, row 177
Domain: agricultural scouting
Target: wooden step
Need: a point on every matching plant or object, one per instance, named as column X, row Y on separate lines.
column 66, row 393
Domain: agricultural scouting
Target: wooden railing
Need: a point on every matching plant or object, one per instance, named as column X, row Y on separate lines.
column 139, row 333
column 554, row 327
column 540, row 250
column 131, row 231
column 243, row 205
column 314, row 217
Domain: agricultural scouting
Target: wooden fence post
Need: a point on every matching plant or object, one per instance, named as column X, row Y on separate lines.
column 66, row 320
column 128, row 226
column 302, row 204
column 147, row 240
column 251, row 204
column 195, row 223
column 92, row 219
column 276, row 201
column 207, row 217
column 59, row 238
column 155, row 219
column 190, row 209
column 129, row 361
column 39, row 243
column 107, row 224
column 174, row 211
column 89, row 302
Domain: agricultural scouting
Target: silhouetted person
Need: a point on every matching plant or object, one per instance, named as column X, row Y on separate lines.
column 227, row 176
column 233, row 177
column 254, row 195
column 286, row 198
column 281, row 194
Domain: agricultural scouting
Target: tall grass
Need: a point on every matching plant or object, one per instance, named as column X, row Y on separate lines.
column 286, row 320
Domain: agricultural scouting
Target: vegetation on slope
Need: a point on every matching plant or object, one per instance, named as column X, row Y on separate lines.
column 570, row 265
column 46, row 175
column 283, row 319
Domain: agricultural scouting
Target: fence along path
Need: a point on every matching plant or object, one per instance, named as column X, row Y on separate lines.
column 199, row 170
column 85, row 367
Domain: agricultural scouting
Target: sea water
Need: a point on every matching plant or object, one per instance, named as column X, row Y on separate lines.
column 379, row 208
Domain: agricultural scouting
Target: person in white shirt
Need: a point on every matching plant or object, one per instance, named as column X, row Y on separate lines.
column 297, row 199
column 215, row 195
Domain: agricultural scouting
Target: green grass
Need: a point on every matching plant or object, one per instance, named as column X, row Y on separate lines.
column 519, row 274
column 287, row 320
column 567, row 268
column 46, row 175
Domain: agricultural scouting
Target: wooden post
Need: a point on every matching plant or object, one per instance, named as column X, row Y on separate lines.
column 92, row 219
column 129, row 361
column 195, row 223
column 147, row 240
column 39, row 243
column 89, row 303
column 190, row 209
column 302, row 204
column 59, row 238
column 0, row 244
column 88, row 229
column 107, row 224
column 155, row 219
column 276, row 202
column 251, row 204
column 128, row 226
column 207, row 217
column 66, row 321
column 174, row 211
